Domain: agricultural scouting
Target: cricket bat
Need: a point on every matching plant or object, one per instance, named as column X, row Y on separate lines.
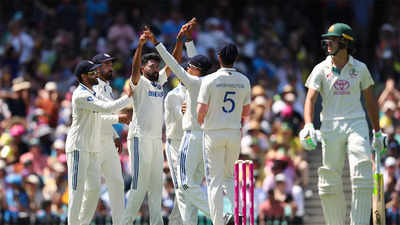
column 378, row 201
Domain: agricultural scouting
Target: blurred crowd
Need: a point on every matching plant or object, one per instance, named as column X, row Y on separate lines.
column 41, row 42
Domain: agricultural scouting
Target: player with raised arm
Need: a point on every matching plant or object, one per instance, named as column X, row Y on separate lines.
column 223, row 101
column 191, row 164
column 341, row 79
column 81, row 144
column 174, row 108
column 110, row 145
column 144, row 136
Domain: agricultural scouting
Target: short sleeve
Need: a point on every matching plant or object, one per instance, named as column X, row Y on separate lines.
column 204, row 93
column 314, row 80
column 366, row 78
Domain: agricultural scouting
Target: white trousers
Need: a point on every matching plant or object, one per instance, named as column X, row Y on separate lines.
column 341, row 138
column 221, row 150
column 110, row 167
column 191, row 197
column 146, row 166
column 172, row 153
column 83, row 175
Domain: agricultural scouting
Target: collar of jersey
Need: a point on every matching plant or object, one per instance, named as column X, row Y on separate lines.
column 84, row 87
column 226, row 69
column 329, row 60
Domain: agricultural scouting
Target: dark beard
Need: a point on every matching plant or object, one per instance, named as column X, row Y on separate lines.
column 93, row 81
column 152, row 76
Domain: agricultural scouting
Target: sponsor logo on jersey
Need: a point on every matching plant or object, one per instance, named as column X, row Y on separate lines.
column 89, row 99
column 156, row 93
column 341, row 87
column 353, row 73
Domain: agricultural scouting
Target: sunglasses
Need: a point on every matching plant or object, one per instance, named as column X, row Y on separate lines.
column 191, row 65
column 92, row 72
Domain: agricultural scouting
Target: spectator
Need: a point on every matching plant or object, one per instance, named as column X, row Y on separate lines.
column 270, row 209
column 393, row 209
column 121, row 34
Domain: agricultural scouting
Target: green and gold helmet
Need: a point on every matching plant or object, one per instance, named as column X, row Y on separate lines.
column 340, row 30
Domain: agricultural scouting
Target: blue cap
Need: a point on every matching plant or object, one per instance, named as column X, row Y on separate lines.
column 84, row 67
column 201, row 62
column 101, row 58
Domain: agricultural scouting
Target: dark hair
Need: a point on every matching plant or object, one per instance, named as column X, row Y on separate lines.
column 150, row 56
column 228, row 54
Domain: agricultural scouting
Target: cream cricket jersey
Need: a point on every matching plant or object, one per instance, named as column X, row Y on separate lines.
column 104, row 92
column 147, row 117
column 86, row 119
column 192, row 84
column 340, row 91
column 172, row 112
column 225, row 92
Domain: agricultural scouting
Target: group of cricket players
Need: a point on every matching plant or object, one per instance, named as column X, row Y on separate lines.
column 203, row 116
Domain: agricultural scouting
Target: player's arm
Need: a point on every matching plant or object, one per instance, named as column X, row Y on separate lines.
column 186, row 78
column 92, row 103
column 309, row 103
column 189, row 44
column 371, row 106
column 202, row 110
column 135, row 74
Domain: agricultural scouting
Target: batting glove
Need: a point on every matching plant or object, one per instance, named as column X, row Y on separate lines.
column 379, row 142
column 308, row 137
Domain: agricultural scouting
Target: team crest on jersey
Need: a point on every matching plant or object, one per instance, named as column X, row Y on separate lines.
column 341, row 87
column 353, row 73
column 89, row 99
column 156, row 85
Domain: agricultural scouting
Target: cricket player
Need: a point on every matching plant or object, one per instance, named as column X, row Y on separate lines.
column 109, row 142
column 82, row 153
column 144, row 136
column 173, row 126
column 223, row 101
column 191, row 164
column 174, row 108
column 340, row 79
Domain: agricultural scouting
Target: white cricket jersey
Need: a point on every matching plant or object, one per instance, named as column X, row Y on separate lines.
column 192, row 84
column 340, row 92
column 104, row 92
column 86, row 119
column 173, row 114
column 147, row 117
column 225, row 92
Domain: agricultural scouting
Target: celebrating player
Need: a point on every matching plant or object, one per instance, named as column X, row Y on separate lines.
column 223, row 101
column 109, row 159
column 191, row 164
column 81, row 144
column 340, row 79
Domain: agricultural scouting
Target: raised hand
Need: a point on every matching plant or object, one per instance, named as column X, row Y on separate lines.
column 142, row 39
column 150, row 35
column 192, row 26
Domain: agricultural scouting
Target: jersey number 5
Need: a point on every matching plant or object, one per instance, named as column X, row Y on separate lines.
column 229, row 99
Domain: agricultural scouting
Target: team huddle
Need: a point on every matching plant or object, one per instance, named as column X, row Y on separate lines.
column 203, row 117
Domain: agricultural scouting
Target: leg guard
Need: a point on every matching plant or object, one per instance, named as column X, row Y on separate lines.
column 362, row 186
column 330, row 189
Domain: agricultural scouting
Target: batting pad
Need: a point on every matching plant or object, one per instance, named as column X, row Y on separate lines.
column 330, row 189
column 361, row 202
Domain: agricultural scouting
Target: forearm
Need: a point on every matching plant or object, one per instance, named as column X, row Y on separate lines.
column 308, row 111
column 373, row 113
column 135, row 75
column 177, row 52
column 201, row 112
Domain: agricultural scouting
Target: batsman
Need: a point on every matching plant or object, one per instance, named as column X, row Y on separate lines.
column 340, row 80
